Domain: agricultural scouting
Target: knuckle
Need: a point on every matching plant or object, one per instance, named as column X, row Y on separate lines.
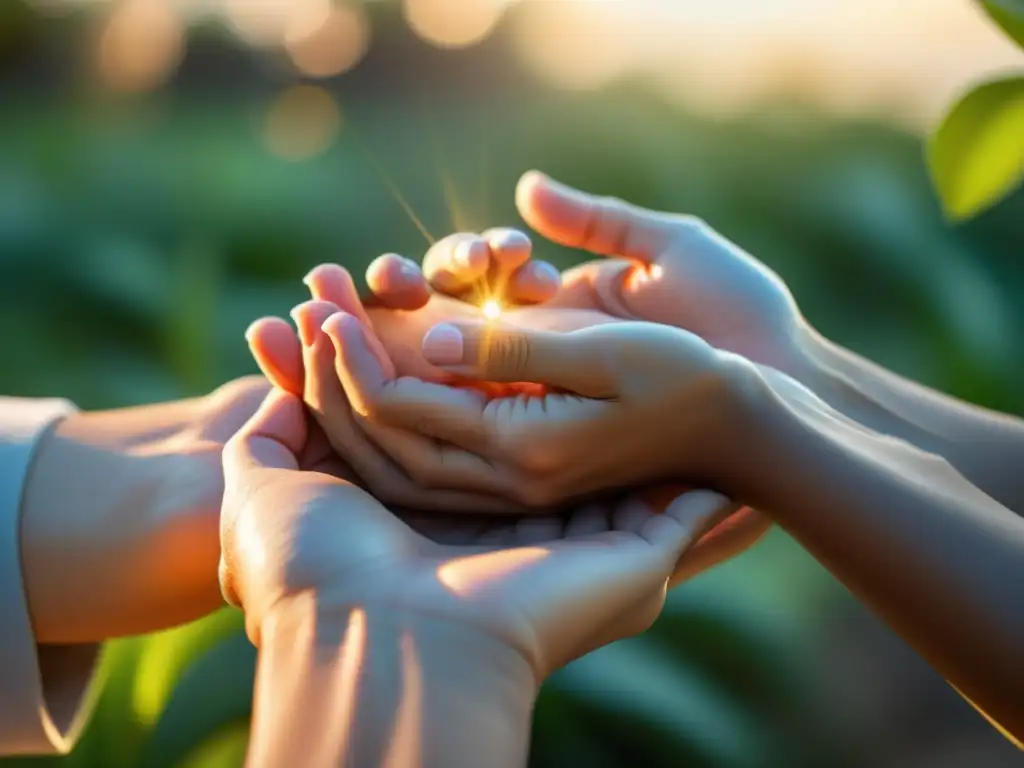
column 422, row 472
column 509, row 352
column 687, row 225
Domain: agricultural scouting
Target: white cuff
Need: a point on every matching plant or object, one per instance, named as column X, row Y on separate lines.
column 42, row 688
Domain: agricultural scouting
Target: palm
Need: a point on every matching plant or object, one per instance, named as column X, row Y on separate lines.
column 510, row 578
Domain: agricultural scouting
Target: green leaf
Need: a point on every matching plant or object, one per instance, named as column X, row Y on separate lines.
column 977, row 154
column 214, row 692
column 1008, row 14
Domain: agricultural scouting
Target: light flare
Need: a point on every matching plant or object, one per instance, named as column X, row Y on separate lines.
column 492, row 309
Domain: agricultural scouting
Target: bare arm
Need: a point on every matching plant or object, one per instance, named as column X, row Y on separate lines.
column 354, row 687
column 985, row 446
column 938, row 559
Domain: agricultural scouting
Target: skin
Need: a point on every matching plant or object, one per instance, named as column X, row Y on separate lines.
column 360, row 621
column 876, row 472
column 287, row 363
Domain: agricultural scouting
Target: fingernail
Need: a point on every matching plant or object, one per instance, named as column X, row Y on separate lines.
column 443, row 345
column 466, row 251
column 306, row 329
column 546, row 272
column 410, row 268
column 337, row 324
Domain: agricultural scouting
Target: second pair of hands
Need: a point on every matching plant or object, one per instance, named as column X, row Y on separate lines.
column 610, row 561
column 669, row 269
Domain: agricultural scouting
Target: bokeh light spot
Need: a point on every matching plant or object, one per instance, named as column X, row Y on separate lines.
column 141, row 45
column 262, row 23
column 328, row 43
column 302, row 123
column 454, row 23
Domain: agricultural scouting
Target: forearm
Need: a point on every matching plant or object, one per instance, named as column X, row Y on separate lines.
column 358, row 687
column 985, row 446
column 95, row 549
column 935, row 557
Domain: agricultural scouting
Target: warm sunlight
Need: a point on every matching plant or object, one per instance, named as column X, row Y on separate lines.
column 466, row 575
column 492, row 309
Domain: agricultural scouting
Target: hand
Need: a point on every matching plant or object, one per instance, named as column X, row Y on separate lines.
column 659, row 402
column 120, row 515
column 400, row 285
column 665, row 268
column 548, row 593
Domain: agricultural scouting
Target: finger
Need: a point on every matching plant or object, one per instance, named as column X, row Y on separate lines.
column 577, row 361
column 278, row 353
column 404, row 401
column 456, row 263
column 602, row 225
column 734, row 535
column 532, row 283
column 333, row 283
column 685, row 521
column 397, row 282
column 508, row 250
column 271, row 439
column 325, row 397
column 434, row 465
column 330, row 405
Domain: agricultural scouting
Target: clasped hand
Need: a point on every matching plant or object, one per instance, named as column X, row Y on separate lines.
column 572, row 542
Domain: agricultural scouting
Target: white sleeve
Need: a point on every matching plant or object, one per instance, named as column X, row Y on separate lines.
column 42, row 688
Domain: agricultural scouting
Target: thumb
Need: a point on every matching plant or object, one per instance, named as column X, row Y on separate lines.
column 578, row 361
column 271, row 439
column 603, row 225
column 685, row 521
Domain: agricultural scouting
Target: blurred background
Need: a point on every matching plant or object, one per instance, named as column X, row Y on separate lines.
column 169, row 169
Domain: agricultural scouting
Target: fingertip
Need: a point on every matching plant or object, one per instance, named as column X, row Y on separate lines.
column 309, row 316
column 277, row 352
column 341, row 327
column 333, row 283
column 397, row 282
column 509, row 247
column 443, row 345
column 699, row 510
column 471, row 255
column 535, row 283
column 530, row 181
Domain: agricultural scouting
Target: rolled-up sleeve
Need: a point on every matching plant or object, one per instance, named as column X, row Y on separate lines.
column 42, row 688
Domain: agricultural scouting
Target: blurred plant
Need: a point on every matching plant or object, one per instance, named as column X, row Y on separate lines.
column 977, row 153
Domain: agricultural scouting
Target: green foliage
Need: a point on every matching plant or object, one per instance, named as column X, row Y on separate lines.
column 1009, row 15
column 977, row 153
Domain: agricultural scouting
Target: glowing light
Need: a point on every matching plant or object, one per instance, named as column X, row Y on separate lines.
column 454, row 23
column 473, row 574
column 141, row 45
column 302, row 123
column 327, row 42
column 263, row 23
column 491, row 309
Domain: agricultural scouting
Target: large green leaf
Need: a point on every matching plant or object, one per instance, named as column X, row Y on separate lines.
column 977, row 154
column 214, row 692
column 1008, row 14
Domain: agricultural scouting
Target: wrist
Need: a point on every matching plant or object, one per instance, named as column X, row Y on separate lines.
column 413, row 689
column 738, row 444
